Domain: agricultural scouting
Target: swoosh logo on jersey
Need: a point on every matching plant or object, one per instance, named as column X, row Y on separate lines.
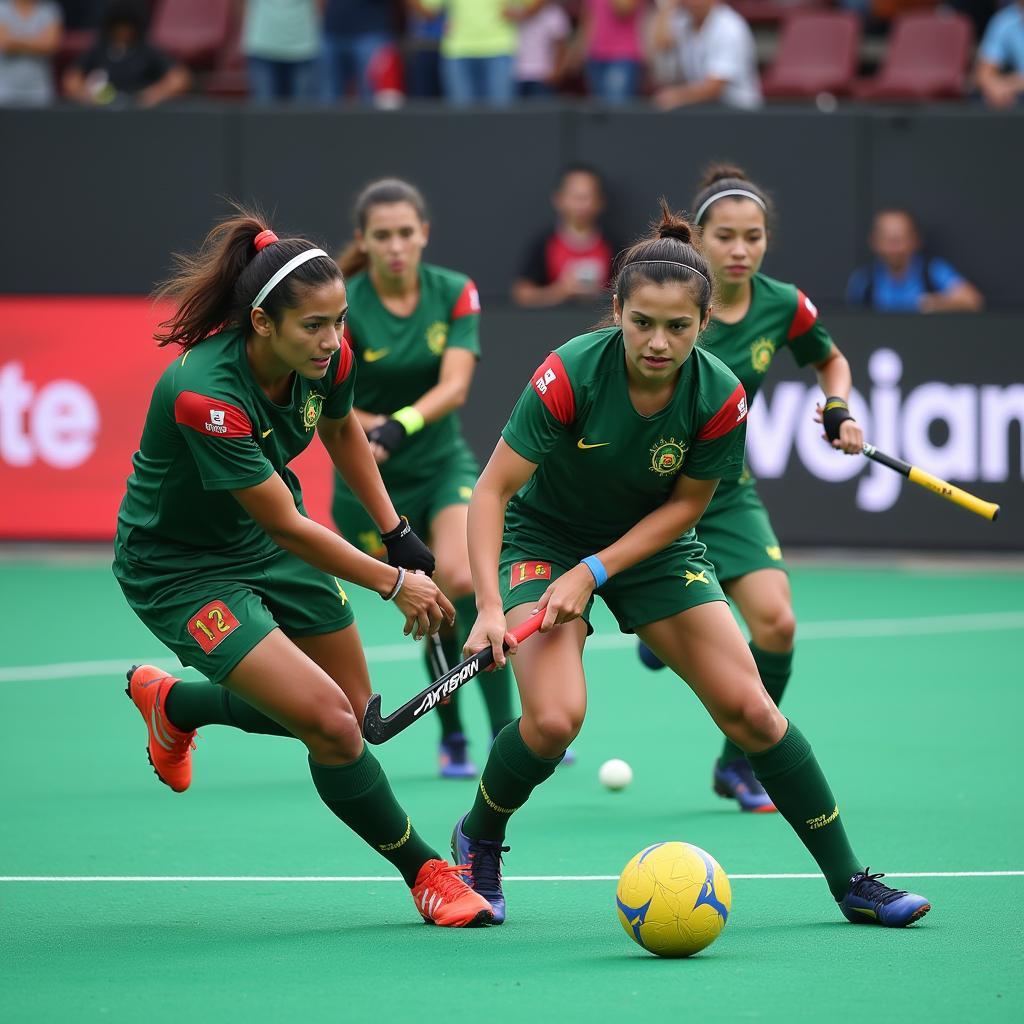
column 267, row 433
column 581, row 444
column 371, row 355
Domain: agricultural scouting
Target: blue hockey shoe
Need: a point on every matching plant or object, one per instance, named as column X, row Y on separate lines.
column 871, row 902
column 483, row 857
column 453, row 758
column 736, row 780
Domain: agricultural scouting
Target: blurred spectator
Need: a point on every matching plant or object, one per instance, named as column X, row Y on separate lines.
column 610, row 38
column 423, row 33
column 29, row 37
column 542, row 36
column 574, row 260
column 82, row 14
column 1001, row 58
column 478, row 49
column 281, row 42
column 715, row 53
column 903, row 277
column 122, row 66
column 353, row 32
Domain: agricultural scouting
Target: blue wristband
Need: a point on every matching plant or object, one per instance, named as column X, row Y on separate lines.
column 594, row 564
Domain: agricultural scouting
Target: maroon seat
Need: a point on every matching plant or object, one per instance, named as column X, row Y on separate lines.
column 817, row 53
column 229, row 78
column 926, row 59
column 194, row 31
column 774, row 12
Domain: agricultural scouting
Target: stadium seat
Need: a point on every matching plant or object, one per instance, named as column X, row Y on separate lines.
column 194, row 31
column 817, row 53
column 926, row 59
column 229, row 78
column 774, row 12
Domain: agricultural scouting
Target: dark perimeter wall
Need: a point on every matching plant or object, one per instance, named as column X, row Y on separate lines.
column 94, row 201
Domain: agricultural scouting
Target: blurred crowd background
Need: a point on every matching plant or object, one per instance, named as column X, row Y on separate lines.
column 669, row 53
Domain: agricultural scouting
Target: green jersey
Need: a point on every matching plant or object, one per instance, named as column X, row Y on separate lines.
column 601, row 466
column 400, row 360
column 780, row 316
column 211, row 429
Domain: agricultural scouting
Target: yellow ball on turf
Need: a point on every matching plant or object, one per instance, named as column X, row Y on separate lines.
column 673, row 899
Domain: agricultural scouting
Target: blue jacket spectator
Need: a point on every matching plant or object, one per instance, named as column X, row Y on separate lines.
column 905, row 279
column 1001, row 58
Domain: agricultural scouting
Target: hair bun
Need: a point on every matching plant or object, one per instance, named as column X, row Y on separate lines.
column 721, row 172
column 677, row 229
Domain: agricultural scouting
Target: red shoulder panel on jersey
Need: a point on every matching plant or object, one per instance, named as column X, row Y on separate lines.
column 552, row 384
column 732, row 414
column 345, row 361
column 804, row 317
column 467, row 303
column 211, row 416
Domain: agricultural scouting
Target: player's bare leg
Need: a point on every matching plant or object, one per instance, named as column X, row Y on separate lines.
column 704, row 646
column 553, row 690
column 285, row 683
column 340, row 654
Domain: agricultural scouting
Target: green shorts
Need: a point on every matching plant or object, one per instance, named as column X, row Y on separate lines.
column 738, row 532
column 212, row 621
column 419, row 501
column 675, row 579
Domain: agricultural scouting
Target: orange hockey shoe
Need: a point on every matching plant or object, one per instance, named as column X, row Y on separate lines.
column 169, row 749
column 443, row 898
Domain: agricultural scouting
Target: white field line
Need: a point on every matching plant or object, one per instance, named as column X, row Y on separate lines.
column 975, row 622
column 984, row 622
column 259, row 879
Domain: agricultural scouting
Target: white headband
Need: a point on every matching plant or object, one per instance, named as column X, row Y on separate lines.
column 295, row 261
column 728, row 192
column 671, row 263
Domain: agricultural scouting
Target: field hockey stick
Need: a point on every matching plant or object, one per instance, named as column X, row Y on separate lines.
column 985, row 509
column 377, row 729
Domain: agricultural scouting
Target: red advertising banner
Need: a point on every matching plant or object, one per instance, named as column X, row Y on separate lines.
column 76, row 376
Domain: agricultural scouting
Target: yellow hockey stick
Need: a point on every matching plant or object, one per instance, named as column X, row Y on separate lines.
column 985, row 509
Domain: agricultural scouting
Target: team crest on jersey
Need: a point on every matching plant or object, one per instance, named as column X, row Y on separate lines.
column 761, row 353
column 437, row 336
column 667, row 456
column 312, row 409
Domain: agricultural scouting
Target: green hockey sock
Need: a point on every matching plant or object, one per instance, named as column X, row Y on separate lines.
column 360, row 795
column 511, row 774
column 448, row 713
column 775, row 669
column 495, row 686
column 192, row 705
column 790, row 773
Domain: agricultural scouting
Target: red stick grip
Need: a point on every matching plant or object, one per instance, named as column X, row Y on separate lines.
column 528, row 627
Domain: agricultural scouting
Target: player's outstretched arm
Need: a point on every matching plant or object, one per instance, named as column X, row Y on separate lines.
column 836, row 380
column 272, row 506
column 657, row 529
column 505, row 472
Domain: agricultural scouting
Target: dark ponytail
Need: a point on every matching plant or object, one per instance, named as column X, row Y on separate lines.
column 669, row 254
column 378, row 193
column 723, row 178
column 214, row 288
